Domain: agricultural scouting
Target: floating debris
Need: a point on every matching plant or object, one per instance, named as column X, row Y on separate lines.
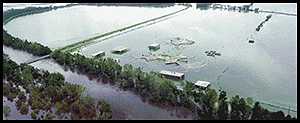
column 183, row 58
column 168, row 59
column 261, row 24
column 218, row 54
column 212, row 53
column 181, row 41
column 174, row 61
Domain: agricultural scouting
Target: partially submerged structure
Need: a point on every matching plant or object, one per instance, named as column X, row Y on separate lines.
column 154, row 46
column 251, row 41
column 171, row 61
column 172, row 75
column 99, row 54
column 181, row 41
column 120, row 50
column 202, row 84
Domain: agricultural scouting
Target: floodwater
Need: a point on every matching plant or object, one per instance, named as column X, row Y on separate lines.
column 265, row 70
column 125, row 104
column 58, row 28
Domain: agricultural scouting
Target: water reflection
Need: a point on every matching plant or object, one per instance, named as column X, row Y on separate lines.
column 265, row 70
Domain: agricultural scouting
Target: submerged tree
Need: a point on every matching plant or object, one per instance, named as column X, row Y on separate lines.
column 223, row 111
column 6, row 111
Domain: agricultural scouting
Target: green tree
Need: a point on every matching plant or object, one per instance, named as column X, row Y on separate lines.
column 103, row 111
column 24, row 109
column 223, row 111
column 235, row 112
column 6, row 110
column 241, row 110
column 33, row 115
column 209, row 101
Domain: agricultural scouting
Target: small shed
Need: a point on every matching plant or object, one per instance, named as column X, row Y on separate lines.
column 202, row 84
column 172, row 75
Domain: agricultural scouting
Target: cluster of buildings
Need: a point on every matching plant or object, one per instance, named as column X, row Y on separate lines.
column 242, row 8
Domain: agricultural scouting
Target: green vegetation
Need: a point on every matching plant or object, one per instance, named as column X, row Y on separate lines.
column 47, row 90
column 50, row 89
column 163, row 91
column 6, row 111
column 149, row 85
column 31, row 47
column 223, row 111
column 33, row 115
column 14, row 13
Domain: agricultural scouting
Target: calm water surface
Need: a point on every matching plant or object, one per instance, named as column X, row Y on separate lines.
column 265, row 70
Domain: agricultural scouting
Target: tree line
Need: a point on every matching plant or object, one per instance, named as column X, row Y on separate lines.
column 31, row 47
column 154, row 88
column 47, row 90
column 14, row 13
column 149, row 85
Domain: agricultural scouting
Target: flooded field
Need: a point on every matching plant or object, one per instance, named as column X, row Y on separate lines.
column 256, row 70
column 61, row 27
column 265, row 70
column 125, row 104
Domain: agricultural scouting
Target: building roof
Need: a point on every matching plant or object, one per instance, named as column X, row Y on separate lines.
column 202, row 83
column 171, row 73
column 183, row 57
column 154, row 45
